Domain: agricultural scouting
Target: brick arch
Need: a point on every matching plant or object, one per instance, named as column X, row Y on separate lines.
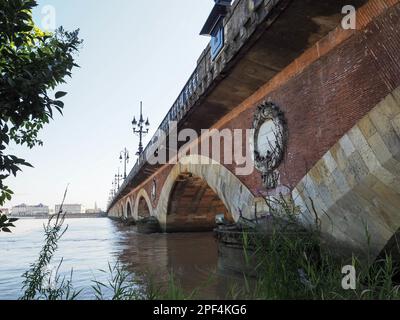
column 193, row 205
column 142, row 205
column 233, row 194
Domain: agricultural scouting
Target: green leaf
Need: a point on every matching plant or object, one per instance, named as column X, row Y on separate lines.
column 60, row 94
column 59, row 103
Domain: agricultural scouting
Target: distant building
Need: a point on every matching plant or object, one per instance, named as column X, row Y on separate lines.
column 24, row 210
column 95, row 210
column 69, row 208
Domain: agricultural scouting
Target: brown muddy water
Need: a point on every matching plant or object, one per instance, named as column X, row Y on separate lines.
column 90, row 245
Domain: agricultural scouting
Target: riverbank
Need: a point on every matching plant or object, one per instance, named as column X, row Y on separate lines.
column 85, row 216
column 67, row 216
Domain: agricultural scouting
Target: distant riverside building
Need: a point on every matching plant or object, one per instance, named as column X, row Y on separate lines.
column 24, row 210
column 93, row 211
column 69, row 208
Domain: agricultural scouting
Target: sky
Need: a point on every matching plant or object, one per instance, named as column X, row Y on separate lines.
column 133, row 51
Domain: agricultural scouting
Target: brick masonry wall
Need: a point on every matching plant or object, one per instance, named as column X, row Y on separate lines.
column 328, row 97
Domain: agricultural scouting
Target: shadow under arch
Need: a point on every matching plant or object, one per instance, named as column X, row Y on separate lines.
column 143, row 207
column 225, row 192
column 129, row 209
column 193, row 206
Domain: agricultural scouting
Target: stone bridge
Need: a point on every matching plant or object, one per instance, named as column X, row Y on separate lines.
column 321, row 104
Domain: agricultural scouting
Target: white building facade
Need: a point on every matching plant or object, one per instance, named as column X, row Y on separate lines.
column 24, row 210
column 69, row 208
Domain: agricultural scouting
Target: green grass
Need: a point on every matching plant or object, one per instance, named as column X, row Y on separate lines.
column 290, row 267
column 292, row 263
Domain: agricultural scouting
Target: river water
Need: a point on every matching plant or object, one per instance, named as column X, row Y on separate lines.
column 90, row 245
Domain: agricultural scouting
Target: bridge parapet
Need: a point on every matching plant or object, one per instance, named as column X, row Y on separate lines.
column 239, row 24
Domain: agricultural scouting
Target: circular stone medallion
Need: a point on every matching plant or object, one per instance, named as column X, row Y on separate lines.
column 268, row 142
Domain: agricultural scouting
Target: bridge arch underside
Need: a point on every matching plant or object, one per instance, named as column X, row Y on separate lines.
column 128, row 210
column 143, row 209
column 196, row 190
column 193, row 205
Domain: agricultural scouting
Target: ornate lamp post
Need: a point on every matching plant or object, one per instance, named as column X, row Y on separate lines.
column 114, row 187
column 111, row 197
column 118, row 178
column 141, row 128
column 124, row 156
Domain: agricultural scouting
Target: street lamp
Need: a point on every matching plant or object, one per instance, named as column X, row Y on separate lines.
column 141, row 128
column 114, row 187
column 118, row 178
column 124, row 155
column 111, row 197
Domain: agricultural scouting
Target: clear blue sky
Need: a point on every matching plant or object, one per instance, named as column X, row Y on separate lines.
column 133, row 50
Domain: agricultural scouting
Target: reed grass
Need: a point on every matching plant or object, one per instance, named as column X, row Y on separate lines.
column 295, row 265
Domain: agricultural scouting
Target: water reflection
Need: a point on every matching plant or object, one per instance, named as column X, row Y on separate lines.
column 191, row 257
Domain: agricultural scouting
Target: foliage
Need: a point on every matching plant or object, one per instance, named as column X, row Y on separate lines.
column 32, row 64
column 120, row 285
column 172, row 290
column 39, row 282
column 38, row 273
column 56, row 287
column 297, row 266
column 287, row 269
column 6, row 223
